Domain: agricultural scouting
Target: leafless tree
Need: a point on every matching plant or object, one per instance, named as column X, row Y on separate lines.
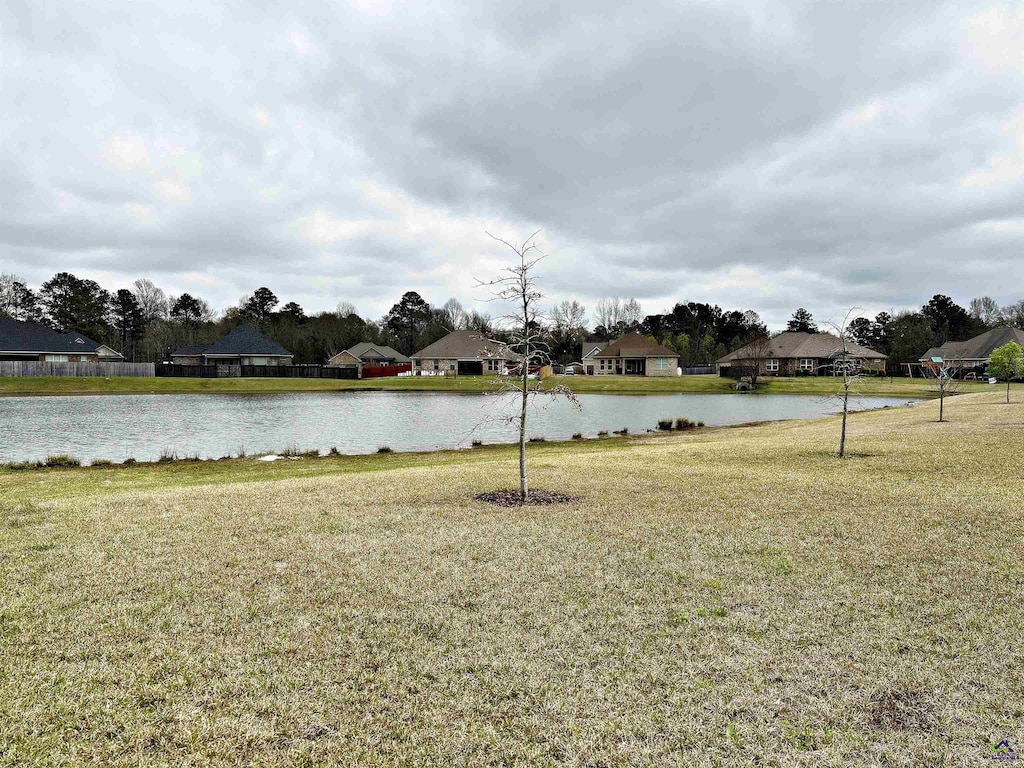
column 517, row 286
column 346, row 308
column 986, row 310
column 607, row 312
column 455, row 315
column 1013, row 314
column 632, row 312
column 947, row 381
column 845, row 366
column 569, row 318
column 760, row 350
column 152, row 300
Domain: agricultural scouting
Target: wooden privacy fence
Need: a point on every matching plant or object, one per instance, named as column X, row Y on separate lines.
column 35, row 368
column 257, row 371
column 380, row 371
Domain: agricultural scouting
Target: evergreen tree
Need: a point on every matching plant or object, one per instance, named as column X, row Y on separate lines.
column 802, row 322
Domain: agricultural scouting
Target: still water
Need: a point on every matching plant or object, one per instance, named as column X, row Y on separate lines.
column 144, row 426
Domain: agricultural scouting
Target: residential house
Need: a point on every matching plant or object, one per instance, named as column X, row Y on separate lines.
column 35, row 342
column 368, row 353
column 635, row 355
column 795, row 353
column 587, row 352
column 243, row 346
column 463, row 353
column 973, row 354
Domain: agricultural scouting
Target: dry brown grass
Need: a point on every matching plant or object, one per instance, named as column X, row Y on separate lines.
column 735, row 596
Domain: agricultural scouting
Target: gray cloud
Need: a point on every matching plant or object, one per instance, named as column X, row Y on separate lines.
column 754, row 154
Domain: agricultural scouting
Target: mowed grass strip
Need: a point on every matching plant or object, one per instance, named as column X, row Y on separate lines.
column 631, row 385
column 729, row 596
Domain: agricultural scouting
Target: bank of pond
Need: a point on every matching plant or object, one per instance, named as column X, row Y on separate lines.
column 114, row 428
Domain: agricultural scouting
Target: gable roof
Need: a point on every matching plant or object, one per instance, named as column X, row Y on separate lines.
column 367, row 350
column 797, row 344
column 21, row 336
column 978, row 348
column 590, row 348
column 635, row 345
column 343, row 358
column 246, row 340
column 464, row 345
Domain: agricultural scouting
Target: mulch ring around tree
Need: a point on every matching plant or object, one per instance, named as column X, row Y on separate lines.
column 535, row 498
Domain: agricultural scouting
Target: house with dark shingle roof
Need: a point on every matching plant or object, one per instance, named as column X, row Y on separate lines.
column 23, row 341
column 466, row 353
column 243, row 346
column 369, row 353
column 798, row 353
column 635, row 355
column 974, row 353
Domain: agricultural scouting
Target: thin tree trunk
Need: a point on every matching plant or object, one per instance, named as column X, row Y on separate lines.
column 523, row 488
column 942, row 403
column 842, row 432
column 1007, row 390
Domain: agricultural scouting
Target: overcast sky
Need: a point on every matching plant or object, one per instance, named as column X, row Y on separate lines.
column 752, row 154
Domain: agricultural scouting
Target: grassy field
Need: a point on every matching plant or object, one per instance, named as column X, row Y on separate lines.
column 811, row 385
column 731, row 596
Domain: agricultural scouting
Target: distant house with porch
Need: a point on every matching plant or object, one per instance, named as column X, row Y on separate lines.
column 634, row 355
column 975, row 353
column 243, row 346
column 22, row 341
column 466, row 353
column 795, row 353
column 368, row 353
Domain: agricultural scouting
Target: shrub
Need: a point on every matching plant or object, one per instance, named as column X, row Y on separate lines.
column 538, row 440
column 62, row 460
column 477, row 443
column 700, row 423
column 665, row 424
column 577, row 435
column 623, row 431
column 384, row 449
column 129, row 462
column 684, row 424
column 312, row 453
column 333, row 452
column 21, row 465
column 101, row 463
column 167, row 456
column 603, row 433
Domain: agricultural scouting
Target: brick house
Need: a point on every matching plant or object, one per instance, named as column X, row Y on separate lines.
column 243, row 346
column 633, row 355
column 466, row 353
column 795, row 353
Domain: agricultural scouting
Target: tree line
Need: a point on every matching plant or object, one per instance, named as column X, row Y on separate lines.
column 146, row 323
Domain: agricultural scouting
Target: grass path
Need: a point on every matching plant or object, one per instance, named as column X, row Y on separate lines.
column 732, row 596
column 810, row 385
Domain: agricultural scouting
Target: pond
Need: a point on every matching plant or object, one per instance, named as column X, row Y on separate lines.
column 145, row 426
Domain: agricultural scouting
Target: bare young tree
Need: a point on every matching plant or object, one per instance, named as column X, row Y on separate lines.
column 848, row 368
column 760, row 349
column 517, row 286
column 947, row 377
column 345, row 308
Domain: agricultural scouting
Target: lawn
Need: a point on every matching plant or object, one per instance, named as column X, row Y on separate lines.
column 810, row 385
column 728, row 596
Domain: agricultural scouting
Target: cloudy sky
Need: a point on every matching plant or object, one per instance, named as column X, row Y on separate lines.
column 753, row 154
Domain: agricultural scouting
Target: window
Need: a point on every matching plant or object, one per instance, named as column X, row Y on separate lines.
column 56, row 358
column 435, row 365
column 806, row 364
column 451, row 366
column 771, row 365
column 661, row 364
